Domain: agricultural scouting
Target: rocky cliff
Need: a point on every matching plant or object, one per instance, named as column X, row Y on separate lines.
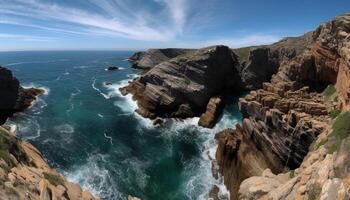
column 24, row 174
column 183, row 86
column 199, row 77
column 292, row 129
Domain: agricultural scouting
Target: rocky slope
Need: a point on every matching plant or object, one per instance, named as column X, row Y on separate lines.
column 24, row 174
column 288, row 126
column 182, row 87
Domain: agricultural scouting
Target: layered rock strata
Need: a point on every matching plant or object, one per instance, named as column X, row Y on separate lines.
column 283, row 119
column 183, row 86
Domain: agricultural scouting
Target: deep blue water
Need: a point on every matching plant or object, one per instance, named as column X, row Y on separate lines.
column 89, row 132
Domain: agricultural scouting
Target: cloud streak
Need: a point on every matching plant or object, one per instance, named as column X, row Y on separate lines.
column 116, row 18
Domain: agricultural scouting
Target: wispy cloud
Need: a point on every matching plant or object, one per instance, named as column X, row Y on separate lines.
column 108, row 17
column 26, row 37
column 249, row 40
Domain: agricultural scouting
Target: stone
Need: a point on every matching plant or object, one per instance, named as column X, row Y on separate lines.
column 112, row 68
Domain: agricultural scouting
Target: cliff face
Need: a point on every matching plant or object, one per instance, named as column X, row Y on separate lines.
column 283, row 119
column 199, row 77
column 183, row 86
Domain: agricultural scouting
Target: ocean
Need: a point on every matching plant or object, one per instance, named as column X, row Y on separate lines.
column 89, row 132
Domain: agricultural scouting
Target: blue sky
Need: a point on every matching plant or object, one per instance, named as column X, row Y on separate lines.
column 141, row 24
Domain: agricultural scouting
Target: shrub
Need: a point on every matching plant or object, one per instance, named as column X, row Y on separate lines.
column 321, row 143
column 334, row 147
column 341, row 126
column 53, row 179
column 329, row 91
column 334, row 113
column 291, row 174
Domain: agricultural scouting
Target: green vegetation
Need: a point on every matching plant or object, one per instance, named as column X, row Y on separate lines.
column 53, row 179
column 329, row 91
column 321, row 143
column 291, row 174
column 334, row 147
column 4, row 147
column 334, row 113
column 341, row 126
column 337, row 172
column 314, row 192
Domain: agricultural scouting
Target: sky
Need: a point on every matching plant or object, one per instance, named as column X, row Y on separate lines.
column 142, row 24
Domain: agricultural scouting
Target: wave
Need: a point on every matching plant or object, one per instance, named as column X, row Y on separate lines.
column 95, row 177
column 98, row 90
column 25, row 126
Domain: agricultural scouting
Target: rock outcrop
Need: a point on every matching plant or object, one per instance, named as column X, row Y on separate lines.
column 284, row 118
column 182, row 87
column 152, row 57
column 14, row 98
column 25, row 175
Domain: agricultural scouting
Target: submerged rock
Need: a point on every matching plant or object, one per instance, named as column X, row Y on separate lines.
column 112, row 68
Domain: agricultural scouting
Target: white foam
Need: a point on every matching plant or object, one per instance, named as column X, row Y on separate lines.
column 98, row 90
column 108, row 137
column 33, row 85
column 95, row 178
column 71, row 108
column 81, row 67
column 64, row 128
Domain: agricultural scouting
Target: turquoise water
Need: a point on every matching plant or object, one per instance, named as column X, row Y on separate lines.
column 89, row 132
